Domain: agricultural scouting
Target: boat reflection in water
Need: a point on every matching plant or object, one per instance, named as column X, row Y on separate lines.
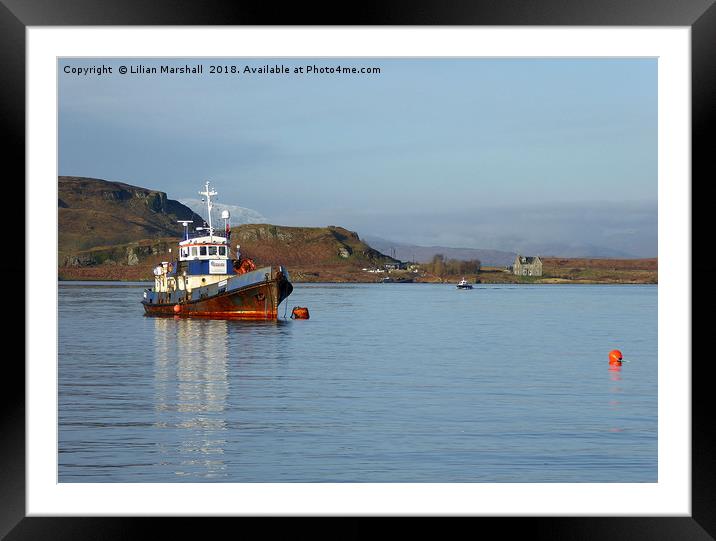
column 191, row 389
column 210, row 391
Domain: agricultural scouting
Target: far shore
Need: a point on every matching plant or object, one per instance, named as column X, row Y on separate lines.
column 555, row 271
column 447, row 281
column 540, row 282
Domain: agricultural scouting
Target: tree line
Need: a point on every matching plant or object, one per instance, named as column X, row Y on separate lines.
column 439, row 265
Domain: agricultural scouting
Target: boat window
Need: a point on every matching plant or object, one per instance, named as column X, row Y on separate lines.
column 202, row 250
column 212, row 250
column 184, row 252
column 193, row 251
column 222, row 250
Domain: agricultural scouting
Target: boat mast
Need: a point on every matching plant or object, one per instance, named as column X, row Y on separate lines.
column 186, row 223
column 208, row 193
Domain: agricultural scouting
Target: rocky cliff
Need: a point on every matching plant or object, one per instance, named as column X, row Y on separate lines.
column 304, row 246
column 100, row 221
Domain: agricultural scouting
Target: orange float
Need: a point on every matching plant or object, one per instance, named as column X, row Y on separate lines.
column 299, row 312
column 615, row 357
column 177, row 308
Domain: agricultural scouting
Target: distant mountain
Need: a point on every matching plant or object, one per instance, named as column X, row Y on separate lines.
column 496, row 258
column 94, row 212
column 239, row 215
column 423, row 254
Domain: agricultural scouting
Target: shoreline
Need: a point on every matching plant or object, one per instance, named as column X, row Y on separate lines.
column 556, row 271
column 547, row 282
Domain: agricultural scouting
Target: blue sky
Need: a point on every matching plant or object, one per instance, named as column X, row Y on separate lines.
column 513, row 154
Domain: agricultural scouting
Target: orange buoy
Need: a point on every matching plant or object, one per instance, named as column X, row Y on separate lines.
column 177, row 308
column 299, row 312
column 615, row 357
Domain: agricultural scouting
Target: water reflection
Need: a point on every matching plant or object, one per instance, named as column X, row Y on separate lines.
column 615, row 391
column 192, row 360
column 191, row 389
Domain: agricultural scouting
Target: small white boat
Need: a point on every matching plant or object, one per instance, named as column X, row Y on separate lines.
column 462, row 284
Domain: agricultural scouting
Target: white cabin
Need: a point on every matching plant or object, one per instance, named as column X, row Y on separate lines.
column 203, row 248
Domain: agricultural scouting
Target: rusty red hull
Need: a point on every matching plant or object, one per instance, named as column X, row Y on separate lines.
column 257, row 301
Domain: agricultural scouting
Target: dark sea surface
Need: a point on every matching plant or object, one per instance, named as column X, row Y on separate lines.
column 384, row 383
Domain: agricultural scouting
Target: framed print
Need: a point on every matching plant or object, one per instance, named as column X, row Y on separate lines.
column 133, row 409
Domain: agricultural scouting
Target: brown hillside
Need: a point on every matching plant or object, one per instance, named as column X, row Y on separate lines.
column 111, row 230
column 94, row 212
column 650, row 264
column 309, row 253
column 305, row 246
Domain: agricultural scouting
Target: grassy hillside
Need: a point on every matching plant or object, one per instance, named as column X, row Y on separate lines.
column 330, row 254
column 307, row 250
column 638, row 271
column 575, row 271
column 98, row 213
column 311, row 254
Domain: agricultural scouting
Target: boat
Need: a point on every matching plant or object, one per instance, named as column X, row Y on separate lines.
column 462, row 284
column 205, row 281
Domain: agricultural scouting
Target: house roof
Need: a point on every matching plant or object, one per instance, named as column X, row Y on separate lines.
column 525, row 260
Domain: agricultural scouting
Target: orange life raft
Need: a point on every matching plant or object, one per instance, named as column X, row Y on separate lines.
column 244, row 265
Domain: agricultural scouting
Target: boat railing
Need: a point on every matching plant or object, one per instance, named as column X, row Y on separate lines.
column 204, row 233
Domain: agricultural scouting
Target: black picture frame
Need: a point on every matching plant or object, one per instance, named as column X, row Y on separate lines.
column 16, row 15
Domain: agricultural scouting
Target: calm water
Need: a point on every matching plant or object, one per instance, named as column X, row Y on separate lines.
column 385, row 383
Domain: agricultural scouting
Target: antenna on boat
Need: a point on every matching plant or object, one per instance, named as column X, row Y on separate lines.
column 186, row 223
column 208, row 193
